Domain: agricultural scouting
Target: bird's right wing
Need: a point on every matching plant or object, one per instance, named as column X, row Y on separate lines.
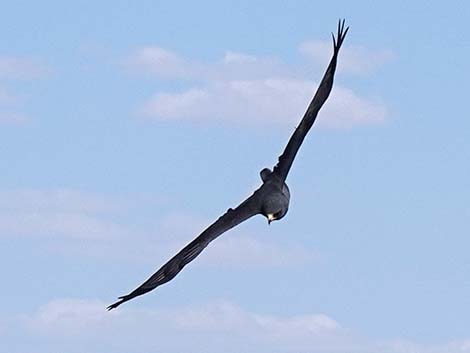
column 231, row 218
column 287, row 157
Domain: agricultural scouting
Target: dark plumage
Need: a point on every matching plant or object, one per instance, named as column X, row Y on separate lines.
column 271, row 199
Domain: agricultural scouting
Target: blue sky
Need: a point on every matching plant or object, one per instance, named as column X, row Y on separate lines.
column 127, row 128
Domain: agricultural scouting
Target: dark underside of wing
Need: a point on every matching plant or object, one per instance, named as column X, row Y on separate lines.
column 168, row 271
column 287, row 157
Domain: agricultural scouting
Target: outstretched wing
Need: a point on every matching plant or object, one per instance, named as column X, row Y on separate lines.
column 287, row 157
column 168, row 271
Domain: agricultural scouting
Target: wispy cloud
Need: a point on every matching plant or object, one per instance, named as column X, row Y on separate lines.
column 243, row 251
column 97, row 221
column 13, row 118
column 162, row 63
column 14, row 68
column 68, row 317
column 168, row 65
column 208, row 327
column 402, row 346
column 234, row 250
column 246, row 90
column 67, row 200
column 354, row 59
column 57, row 225
column 59, row 213
column 19, row 68
column 8, row 106
column 72, row 314
column 228, row 324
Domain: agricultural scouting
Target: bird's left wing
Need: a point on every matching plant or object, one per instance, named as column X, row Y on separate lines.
column 231, row 218
column 287, row 157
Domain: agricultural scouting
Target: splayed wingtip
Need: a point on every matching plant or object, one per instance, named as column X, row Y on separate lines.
column 123, row 299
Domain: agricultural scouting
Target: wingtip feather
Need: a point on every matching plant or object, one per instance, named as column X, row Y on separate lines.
column 341, row 34
column 113, row 306
column 121, row 300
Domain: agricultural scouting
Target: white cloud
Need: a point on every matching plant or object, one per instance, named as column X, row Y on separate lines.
column 18, row 68
column 203, row 328
column 242, row 251
column 69, row 317
column 8, row 113
column 346, row 109
column 68, row 216
column 233, row 57
column 401, row 346
column 57, row 224
column 247, row 90
column 162, row 63
column 280, row 102
column 233, row 249
column 60, row 213
column 354, row 59
column 66, row 200
column 239, row 66
column 62, row 199
column 14, row 118
column 207, row 328
column 166, row 64
column 226, row 316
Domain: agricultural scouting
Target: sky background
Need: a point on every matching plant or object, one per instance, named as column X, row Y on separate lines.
column 126, row 128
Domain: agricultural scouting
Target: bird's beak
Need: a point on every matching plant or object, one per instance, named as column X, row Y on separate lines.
column 270, row 218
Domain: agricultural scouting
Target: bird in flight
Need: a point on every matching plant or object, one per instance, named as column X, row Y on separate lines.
column 271, row 199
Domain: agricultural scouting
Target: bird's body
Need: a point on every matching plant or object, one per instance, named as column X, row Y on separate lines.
column 274, row 197
column 271, row 199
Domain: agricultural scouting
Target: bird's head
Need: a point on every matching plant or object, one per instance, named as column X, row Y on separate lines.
column 270, row 217
column 265, row 173
column 274, row 216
